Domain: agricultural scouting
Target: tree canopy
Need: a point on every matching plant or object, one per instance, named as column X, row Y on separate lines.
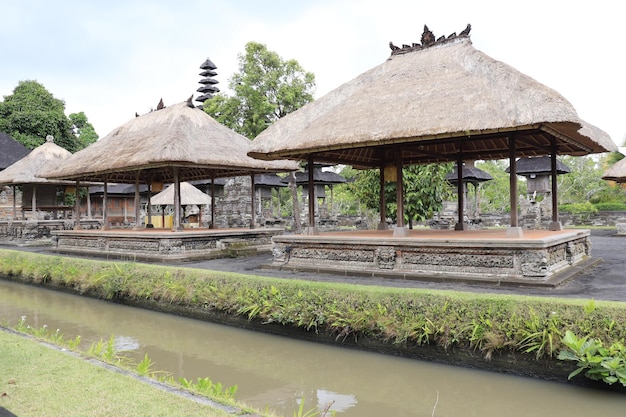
column 265, row 89
column 31, row 113
column 425, row 189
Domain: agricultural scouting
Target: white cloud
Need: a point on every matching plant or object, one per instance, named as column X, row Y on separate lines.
column 111, row 59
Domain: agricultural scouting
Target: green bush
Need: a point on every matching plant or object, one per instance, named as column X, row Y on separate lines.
column 579, row 208
column 613, row 206
column 598, row 363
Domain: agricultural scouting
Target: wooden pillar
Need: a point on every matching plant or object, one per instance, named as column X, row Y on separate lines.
column 400, row 230
column 77, row 225
column 13, row 213
column 212, row 225
column 138, row 224
column 311, row 230
column 514, row 230
column 555, row 224
column 148, row 205
column 382, row 206
column 252, row 202
column 460, row 224
column 33, row 202
column 176, row 226
column 88, row 205
column 105, row 209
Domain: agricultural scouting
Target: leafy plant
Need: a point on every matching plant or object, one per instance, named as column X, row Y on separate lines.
column 597, row 362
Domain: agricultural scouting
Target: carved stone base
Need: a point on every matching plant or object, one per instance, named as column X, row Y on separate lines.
column 537, row 256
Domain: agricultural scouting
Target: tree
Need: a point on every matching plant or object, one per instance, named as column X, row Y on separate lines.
column 83, row 130
column 266, row 88
column 425, row 189
column 31, row 113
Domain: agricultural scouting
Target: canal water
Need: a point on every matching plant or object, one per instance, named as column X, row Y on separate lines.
column 276, row 372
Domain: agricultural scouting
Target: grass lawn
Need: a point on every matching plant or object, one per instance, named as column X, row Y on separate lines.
column 37, row 381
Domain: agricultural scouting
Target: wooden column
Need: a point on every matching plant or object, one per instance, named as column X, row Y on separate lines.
column 382, row 206
column 176, row 226
column 105, row 209
column 212, row 225
column 138, row 224
column 33, row 202
column 555, row 224
column 148, row 206
column 460, row 224
column 514, row 230
column 77, row 225
column 400, row 230
column 252, row 202
column 312, row 230
column 13, row 214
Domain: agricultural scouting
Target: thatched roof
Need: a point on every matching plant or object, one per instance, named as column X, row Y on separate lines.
column 319, row 177
column 617, row 172
column 12, row 150
column 472, row 175
column 27, row 169
column 268, row 180
column 151, row 145
column 188, row 195
column 427, row 104
column 538, row 165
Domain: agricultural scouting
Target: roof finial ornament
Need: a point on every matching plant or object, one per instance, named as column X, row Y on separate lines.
column 428, row 39
column 50, row 138
column 160, row 106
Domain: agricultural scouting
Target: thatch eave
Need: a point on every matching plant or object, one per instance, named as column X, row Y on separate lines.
column 430, row 98
column 151, row 145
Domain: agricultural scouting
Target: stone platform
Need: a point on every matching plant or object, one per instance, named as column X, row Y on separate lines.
column 538, row 258
column 163, row 245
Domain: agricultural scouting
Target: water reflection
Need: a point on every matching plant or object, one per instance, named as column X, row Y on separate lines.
column 279, row 372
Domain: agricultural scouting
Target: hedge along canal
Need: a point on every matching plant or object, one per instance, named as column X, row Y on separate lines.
column 504, row 333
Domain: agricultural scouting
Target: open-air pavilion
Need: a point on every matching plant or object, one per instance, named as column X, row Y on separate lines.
column 437, row 101
column 617, row 173
column 167, row 146
column 24, row 173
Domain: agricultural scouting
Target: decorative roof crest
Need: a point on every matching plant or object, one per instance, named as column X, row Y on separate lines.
column 428, row 40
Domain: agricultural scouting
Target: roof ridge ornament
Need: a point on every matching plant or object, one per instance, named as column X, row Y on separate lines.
column 428, row 40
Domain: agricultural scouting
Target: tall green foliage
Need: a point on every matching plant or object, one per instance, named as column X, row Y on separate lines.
column 31, row 113
column 425, row 189
column 265, row 89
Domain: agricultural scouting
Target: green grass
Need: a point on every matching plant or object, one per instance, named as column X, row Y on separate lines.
column 400, row 318
column 39, row 381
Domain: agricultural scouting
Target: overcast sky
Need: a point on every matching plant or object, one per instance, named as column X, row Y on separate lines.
column 113, row 58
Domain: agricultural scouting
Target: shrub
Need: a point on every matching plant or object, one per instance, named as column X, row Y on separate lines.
column 613, row 206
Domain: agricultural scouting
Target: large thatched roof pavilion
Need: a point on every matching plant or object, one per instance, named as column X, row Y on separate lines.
column 435, row 101
column 169, row 145
column 438, row 101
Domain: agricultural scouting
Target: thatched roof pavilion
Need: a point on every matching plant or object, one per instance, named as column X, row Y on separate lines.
column 435, row 101
column 173, row 144
column 538, row 165
column 617, row 172
column 189, row 195
column 25, row 172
